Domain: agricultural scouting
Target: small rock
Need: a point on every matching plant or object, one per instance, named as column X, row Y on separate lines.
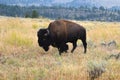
column 112, row 43
column 91, row 44
column 103, row 44
column 114, row 56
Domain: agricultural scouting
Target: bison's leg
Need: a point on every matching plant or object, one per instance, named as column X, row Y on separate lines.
column 74, row 45
column 63, row 48
column 60, row 51
column 85, row 45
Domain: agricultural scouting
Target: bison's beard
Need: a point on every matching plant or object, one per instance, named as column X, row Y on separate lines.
column 46, row 48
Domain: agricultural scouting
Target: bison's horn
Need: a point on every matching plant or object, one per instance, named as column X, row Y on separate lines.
column 48, row 31
column 46, row 34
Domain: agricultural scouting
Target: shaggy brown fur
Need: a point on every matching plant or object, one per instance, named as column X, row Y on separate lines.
column 60, row 32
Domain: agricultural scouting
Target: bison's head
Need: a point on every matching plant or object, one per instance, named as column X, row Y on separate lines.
column 43, row 39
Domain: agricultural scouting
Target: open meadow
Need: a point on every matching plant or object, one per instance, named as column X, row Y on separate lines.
column 22, row 59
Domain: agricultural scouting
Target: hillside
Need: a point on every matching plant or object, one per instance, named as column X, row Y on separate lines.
column 22, row 59
column 63, row 3
column 57, row 12
column 92, row 10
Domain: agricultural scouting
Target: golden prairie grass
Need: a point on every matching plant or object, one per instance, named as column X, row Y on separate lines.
column 21, row 58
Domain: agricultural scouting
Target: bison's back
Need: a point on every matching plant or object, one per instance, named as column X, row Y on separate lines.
column 65, row 30
column 57, row 30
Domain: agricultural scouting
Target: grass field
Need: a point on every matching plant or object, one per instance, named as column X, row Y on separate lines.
column 22, row 59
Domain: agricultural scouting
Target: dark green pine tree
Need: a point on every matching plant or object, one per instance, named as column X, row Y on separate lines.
column 35, row 14
column 27, row 15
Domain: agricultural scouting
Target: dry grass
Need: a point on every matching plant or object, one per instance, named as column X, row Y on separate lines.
column 22, row 59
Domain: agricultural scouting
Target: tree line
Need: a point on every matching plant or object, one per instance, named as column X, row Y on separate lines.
column 58, row 12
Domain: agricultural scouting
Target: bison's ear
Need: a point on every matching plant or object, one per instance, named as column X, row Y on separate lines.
column 47, row 33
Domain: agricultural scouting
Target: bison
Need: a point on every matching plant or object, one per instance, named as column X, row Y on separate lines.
column 59, row 33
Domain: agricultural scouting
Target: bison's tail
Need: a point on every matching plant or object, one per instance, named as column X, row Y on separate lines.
column 84, row 41
column 85, row 34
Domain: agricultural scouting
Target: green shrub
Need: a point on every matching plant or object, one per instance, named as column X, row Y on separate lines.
column 95, row 69
column 18, row 40
column 13, row 62
column 35, row 26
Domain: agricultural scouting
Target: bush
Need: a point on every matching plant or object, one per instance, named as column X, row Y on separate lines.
column 35, row 26
column 95, row 69
column 35, row 14
column 18, row 39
